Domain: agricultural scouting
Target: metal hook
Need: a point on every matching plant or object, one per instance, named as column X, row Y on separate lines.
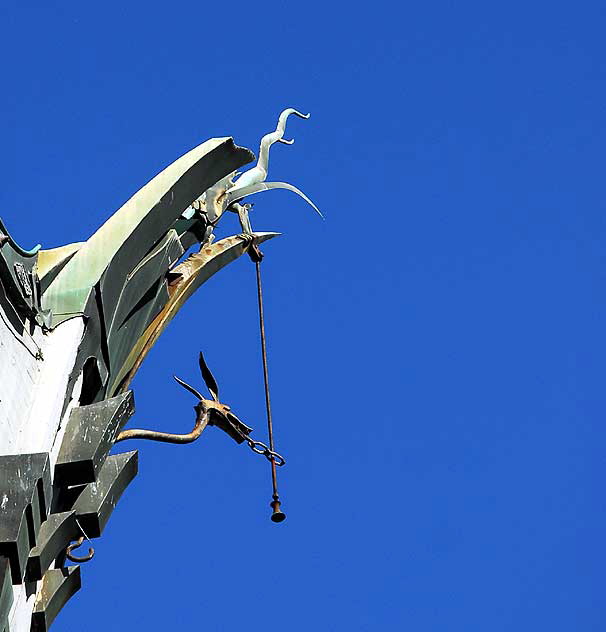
column 76, row 558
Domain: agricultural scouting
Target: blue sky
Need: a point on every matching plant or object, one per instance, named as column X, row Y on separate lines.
column 435, row 345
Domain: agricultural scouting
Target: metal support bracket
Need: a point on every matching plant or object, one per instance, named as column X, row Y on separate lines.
column 88, row 438
column 6, row 592
column 58, row 585
column 25, row 493
column 96, row 503
column 54, row 535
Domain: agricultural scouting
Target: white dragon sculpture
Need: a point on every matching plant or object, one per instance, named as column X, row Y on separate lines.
column 227, row 193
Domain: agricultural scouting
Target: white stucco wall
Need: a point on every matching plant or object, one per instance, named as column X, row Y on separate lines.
column 19, row 374
column 31, row 398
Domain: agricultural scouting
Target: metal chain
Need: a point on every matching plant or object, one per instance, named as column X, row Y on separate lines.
column 261, row 448
column 258, row 447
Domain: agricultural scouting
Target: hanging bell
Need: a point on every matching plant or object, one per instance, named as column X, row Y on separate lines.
column 277, row 515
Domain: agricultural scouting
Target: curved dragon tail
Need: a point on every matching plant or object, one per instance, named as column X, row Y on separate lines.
column 238, row 194
column 259, row 172
column 281, row 127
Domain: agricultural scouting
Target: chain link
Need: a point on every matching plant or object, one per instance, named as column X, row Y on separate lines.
column 260, row 448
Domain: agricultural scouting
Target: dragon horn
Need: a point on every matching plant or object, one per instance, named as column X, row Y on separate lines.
column 187, row 387
column 208, row 378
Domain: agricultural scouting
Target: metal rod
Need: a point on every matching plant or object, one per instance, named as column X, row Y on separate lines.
column 278, row 515
column 169, row 437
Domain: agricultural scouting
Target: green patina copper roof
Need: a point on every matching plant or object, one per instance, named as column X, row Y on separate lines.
column 143, row 220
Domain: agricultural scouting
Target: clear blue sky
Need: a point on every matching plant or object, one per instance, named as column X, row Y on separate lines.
column 436, row 345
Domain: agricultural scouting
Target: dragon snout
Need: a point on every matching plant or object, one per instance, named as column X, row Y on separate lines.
column 228, row 422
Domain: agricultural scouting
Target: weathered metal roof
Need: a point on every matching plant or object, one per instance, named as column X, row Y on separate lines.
column 115, row 250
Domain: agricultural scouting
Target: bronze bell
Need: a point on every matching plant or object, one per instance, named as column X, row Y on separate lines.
column 277, row 515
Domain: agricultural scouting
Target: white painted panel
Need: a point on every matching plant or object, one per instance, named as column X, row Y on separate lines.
column 32, row 391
